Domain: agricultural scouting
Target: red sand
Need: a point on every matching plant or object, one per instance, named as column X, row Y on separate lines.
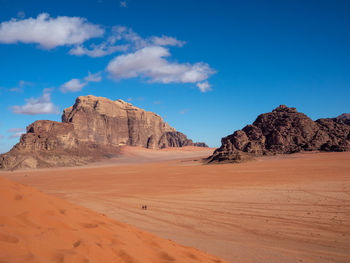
column 293, row 208
column 35, row 227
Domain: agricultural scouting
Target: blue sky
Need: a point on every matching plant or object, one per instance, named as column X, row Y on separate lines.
column 207, row 67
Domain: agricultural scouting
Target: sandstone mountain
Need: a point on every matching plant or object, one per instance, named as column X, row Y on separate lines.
column 284, row 130
column 94, row 127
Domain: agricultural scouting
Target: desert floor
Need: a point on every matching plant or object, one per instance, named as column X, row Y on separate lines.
column 40, row 228
column 293, row 208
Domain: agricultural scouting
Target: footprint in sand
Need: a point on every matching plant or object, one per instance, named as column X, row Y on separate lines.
column 18, row 197
column 192, row 256
column 62, row 211
column 89, row 225
column 165, row 256
column 125, row 257
column 77, row 244
column 8, row 238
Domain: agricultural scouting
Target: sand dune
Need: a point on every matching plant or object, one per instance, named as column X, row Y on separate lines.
column 137, row 155
column 289, row 208
column 35, row 227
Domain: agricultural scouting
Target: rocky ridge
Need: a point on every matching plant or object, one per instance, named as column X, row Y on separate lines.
column 284, row 131
column 93, row 128
column 344, row 118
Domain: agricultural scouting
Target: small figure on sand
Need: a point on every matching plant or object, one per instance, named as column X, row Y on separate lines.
column 144, row 207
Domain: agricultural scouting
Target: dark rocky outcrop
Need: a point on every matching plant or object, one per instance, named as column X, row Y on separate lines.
column 284, row 131
column 344, row 118
column 93, row 128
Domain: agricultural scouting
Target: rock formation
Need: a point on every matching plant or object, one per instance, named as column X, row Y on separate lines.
column 284, row 130
column 344, row 118
column 94, row 127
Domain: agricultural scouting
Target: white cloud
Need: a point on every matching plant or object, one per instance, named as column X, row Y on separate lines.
column 127, row 40
column 123, row 4
column 75, row 85
column 126, row 36
column 93, row 77
column 49, row 32
column 34, row 106
column 100, row 50
column 147, row 57
column 150, row 63
column 137, row 42
column 204, row 86
column 167, row 41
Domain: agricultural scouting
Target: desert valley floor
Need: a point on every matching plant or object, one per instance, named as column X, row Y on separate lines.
column 290, row 208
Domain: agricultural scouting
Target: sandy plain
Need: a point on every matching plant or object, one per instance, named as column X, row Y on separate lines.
column 290, row 208
column 40, row 228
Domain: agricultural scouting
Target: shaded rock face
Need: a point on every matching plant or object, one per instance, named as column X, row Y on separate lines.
column 94, row 127
column 344, row 118
column 284, row 130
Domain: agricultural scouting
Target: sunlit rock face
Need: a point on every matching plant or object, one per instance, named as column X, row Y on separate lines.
column 94, row 127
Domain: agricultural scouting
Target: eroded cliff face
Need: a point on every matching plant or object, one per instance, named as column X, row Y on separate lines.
column 283, row 131
column 93, row 128
column 116, row 123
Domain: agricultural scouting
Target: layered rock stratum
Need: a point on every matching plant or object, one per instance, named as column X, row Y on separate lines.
column 284, row 131
column 93, row 128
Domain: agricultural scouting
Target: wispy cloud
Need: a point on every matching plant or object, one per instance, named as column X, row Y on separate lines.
column 123, row 39
column 16, row 135
column 93, row 77
column 35, row 106
column 21, row 14
column 184, row 111
column 49, row 32
column 166, row 41
column 123, row 4
column 21, row 85
column 16, row 132
column 96, row 51
column 75, row 85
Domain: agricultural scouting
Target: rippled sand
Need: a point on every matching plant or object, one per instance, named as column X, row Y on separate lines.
column 292, row 208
